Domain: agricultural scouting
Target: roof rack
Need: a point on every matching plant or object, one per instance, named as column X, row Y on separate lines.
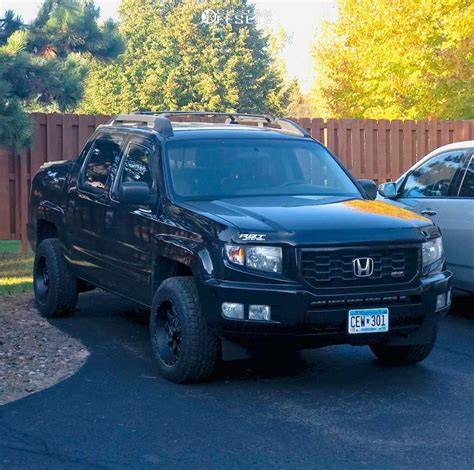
column 160, row 120
column 160, row 124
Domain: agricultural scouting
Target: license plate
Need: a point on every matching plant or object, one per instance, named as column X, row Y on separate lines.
column 371, row 320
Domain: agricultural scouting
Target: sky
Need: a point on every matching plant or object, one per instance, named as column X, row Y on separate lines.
column 300, row 19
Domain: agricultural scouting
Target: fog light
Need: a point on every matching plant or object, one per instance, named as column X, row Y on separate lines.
column 233, row 311
column 259, row 312
column 440, row 301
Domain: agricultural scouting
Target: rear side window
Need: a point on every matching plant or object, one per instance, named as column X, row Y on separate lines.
column 434, row 178
column 467, row 185
column 103, row 154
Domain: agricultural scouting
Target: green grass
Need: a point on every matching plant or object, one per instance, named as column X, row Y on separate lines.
column 15, row 268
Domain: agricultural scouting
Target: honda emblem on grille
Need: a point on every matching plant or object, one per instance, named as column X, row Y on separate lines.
column 363, row 267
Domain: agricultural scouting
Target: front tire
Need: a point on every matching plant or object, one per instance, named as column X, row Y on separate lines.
column 405, row 355
column 54, row 285
column 185, row 348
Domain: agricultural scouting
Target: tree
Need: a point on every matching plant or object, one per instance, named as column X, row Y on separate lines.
column 174, row 60
column 63, row 27
column 43, row 65
column 8, row 25
column 15, row 126
column 390, row 59
column 299, row 105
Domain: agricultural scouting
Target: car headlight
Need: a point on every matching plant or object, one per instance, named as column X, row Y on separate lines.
column 432, row 251
column 262, row 258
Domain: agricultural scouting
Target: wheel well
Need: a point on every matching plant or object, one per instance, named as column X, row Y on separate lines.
column 45, row 229
column 166, row 268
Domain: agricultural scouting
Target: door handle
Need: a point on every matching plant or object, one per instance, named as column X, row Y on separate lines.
column 109, row 217
column 428, row 212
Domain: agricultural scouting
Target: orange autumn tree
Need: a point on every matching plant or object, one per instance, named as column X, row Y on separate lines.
column 392, row 59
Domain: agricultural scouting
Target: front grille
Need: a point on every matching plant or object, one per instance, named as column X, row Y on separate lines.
column 333, row 268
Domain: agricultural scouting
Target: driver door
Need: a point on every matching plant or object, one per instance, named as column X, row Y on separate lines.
column 430, row 190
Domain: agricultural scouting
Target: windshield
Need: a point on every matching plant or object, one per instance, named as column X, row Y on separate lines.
column 204, row 169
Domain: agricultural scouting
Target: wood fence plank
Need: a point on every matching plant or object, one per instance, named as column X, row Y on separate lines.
column 317, row 129
column 348, row 144
column 395, row 149
column 407, row 158
column 432, row 135
column 444, row 132
column 357, row 139
column 5, row 201
column 24, row 187
column 382, row 151
column 305, row 123
column 369, row 149
column 68, row 150
column 331, row 136
column 421, row 140
column 84, row 132
column 342, row 132
column 39, row 146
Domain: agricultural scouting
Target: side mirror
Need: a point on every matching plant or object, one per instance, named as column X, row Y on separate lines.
column 369, row 187
column 388, row 190
column 135, row 193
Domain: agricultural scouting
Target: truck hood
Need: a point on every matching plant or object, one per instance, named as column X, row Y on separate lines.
column 314, row 219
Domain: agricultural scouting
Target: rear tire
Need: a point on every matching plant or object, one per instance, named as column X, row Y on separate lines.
column 185, row 348
column 405, row 355
column 54, row 285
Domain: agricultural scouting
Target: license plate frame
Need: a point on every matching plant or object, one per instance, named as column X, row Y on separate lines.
column 368, row 321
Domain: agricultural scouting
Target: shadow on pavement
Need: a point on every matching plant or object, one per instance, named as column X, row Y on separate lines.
column 108, row 325
column 463, row 305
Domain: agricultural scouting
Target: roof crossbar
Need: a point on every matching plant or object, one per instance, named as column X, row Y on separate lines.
column 234, row 118
column 160, row 124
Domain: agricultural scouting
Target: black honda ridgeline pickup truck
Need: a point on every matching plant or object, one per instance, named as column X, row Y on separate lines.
column 241, row 237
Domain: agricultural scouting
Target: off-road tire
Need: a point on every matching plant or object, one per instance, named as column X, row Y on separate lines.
column 405, row 355
column 199, row 348
column 58, row 296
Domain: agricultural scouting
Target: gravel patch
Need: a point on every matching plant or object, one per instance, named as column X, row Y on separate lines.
column 34, row 355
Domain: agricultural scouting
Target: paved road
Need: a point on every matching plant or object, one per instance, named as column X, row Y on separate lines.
column 334, row 408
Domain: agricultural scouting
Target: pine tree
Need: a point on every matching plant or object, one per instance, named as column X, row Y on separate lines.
column 15, row 126
column 43, row 65
column 63, row 27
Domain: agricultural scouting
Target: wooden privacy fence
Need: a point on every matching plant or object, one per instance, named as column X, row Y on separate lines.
column 375, row 149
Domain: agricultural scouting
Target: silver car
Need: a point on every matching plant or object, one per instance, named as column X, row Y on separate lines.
column 441, row 187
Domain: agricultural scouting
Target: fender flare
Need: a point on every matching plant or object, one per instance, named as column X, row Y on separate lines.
column 50, row 212
column 190, row 252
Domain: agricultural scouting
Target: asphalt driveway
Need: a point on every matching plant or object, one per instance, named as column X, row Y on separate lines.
column 332, row 408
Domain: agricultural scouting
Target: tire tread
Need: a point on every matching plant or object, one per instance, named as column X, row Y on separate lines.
column 62, row 295
column 198, row 363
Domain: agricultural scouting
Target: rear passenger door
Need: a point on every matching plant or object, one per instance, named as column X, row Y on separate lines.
column 87, row 204
column 130, row 228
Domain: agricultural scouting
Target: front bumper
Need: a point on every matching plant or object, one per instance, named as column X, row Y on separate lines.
column 311, row 319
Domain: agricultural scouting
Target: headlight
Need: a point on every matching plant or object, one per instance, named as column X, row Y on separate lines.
column 432, row 251
column 262, row 258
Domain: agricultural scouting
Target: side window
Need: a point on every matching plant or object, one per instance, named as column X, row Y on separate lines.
column 103, row 153
column 433, row 178
column 467, row 185
column 137, row 165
